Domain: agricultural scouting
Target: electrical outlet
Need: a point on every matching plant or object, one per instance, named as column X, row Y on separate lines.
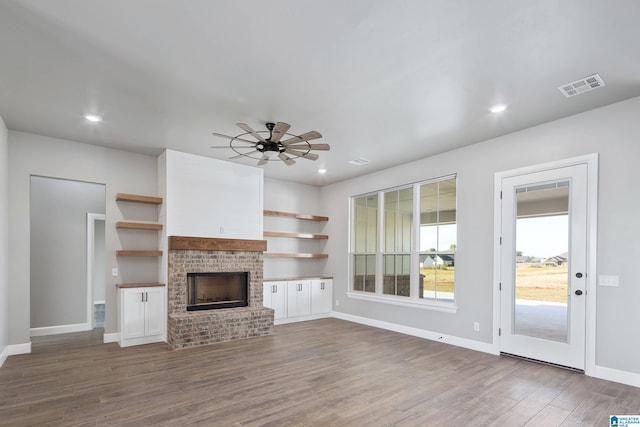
column 221, row 230
column 476, row 326
column 337, row 303
column 114, row 272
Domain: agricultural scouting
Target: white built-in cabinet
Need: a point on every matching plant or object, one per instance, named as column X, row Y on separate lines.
column 321, row 296
column 296, row 300
column 142, row 316
column 274, row 295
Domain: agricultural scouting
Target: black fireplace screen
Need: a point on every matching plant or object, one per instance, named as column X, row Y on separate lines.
column 207, row 291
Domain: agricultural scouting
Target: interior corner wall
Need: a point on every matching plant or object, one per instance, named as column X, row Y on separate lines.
column 4, row 241
column 288, row 196
column 58, row 270
column 612, row 131
column 120, row 171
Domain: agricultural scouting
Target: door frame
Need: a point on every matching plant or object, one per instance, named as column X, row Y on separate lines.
column 591, row 160
column 91, row 225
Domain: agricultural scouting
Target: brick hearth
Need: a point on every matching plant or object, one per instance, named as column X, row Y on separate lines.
column 202, row 255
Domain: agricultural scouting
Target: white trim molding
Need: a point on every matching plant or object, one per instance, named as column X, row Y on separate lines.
column 420, row 333
column 422, row 304
column 60, row 329
column 4, row 355
column 609, row 374
column 15, row 349
column 113, row 337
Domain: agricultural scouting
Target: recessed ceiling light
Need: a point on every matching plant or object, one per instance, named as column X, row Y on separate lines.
column 322, row 171
column 498, row 108
column 93, row 118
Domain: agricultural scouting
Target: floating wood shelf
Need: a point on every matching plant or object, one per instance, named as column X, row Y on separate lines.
column 293, row 255
column 150, row 200
column 296, row 215
column 139, row 225
column 140, row 285
column 138, row 253
column 295, row 235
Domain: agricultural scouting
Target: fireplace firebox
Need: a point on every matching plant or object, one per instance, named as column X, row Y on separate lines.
column 209, row 291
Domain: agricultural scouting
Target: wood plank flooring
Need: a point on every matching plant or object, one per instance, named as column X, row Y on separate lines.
column 320, row 373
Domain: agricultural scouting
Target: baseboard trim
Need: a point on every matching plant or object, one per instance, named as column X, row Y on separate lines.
column 109, row 338
column 61, row 329
column 4, row 355
column 420, row 333
column 15, row 349
column 610, row 374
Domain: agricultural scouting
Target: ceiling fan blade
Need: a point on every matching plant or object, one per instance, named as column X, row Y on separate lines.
column 302, row 154
column 279, row 130
column 323, row 147
column 304, row 137
column 245, row 127
column 263, row 160
column 286, row 159
column 233, row 137
column 243, row 155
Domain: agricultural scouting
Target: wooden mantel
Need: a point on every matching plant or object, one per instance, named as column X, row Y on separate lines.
column 213, row 244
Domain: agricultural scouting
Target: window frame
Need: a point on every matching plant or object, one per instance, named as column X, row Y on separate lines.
column 413, row 300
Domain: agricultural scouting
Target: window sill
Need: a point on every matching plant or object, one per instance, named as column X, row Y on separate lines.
column 446, row 307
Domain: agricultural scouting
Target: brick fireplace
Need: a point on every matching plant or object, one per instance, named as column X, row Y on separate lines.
column 209, row 255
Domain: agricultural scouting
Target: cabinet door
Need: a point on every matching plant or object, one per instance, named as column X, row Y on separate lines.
column 155, row 319
column 133, row 323
column 298, row 298
column 275, row 297
column 321, row 296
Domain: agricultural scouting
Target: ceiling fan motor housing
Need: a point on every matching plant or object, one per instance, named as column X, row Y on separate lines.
column 269, row 145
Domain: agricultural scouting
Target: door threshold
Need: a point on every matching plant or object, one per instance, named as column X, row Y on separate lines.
column 542, row 362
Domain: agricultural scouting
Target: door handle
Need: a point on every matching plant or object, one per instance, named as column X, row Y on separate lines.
column 578, row 292
column 578, row 275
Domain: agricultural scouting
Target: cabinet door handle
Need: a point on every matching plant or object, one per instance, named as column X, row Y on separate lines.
column 300, row 287
column 274, row 289
column 322, row 285
column 146, row 294
column 142, row 295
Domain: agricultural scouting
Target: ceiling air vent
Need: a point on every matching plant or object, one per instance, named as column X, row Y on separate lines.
column 359, row 161
column 581, row 86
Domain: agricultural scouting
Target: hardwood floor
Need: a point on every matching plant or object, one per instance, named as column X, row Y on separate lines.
column 320, row 373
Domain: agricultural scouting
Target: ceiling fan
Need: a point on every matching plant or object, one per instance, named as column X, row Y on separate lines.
column 271, row 148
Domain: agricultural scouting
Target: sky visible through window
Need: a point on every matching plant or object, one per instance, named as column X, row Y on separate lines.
column 543, row 237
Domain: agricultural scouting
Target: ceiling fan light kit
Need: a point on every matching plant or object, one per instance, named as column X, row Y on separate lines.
column 273, row 148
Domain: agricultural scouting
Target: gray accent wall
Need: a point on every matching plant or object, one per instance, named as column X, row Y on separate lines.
column 612, row 131
column 4, row 240
column 58, row 234
column 120, row 171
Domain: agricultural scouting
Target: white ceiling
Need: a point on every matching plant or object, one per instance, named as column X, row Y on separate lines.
column 389, row 81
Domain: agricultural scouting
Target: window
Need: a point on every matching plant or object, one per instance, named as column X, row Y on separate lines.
column 365, row 241
column 398, row 229
column 438, row 237
column 404, row 242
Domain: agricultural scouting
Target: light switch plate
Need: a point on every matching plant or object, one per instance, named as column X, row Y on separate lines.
column 612, row 281
column 114, row 272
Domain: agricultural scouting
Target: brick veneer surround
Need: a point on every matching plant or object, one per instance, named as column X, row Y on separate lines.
column 193, row 328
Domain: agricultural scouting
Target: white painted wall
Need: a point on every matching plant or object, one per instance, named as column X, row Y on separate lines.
column 612, row 131
column 212, row 198
column 288, row 196
column 120, row 171
column 4, row 242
